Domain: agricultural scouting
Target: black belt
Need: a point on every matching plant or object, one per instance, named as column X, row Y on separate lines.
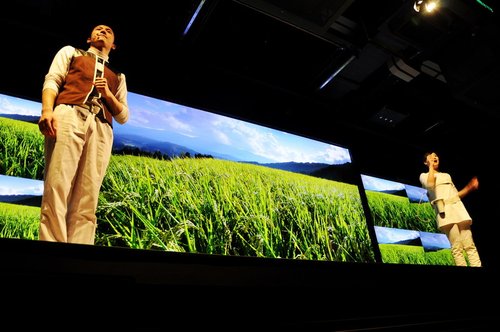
column 90, row 108
column 94, row 109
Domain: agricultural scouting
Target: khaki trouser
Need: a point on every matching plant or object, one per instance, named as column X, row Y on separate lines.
column 75, row 165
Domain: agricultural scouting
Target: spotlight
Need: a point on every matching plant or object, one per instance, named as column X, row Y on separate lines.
column 425, row 6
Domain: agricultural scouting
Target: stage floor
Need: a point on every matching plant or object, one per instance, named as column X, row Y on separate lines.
column 150, row 290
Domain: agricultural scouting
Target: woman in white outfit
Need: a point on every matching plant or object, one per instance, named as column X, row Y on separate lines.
column 451, row 215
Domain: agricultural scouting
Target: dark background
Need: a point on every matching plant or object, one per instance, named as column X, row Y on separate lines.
column 265, row 61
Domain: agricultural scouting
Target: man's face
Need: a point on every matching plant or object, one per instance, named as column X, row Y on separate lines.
column 102, row 36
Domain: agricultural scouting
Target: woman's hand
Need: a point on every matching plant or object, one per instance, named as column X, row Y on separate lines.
column 473, row 184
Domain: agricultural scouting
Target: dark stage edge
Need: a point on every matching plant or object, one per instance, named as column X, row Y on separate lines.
column 73, row 287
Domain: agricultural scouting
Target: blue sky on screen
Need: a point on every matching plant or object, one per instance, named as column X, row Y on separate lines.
column 206, row 131
column 11, row 185
column 437, row 240
column 13, row 105
column 194, row 128
column 392, row 235
column 416, row 194
column 378, row 184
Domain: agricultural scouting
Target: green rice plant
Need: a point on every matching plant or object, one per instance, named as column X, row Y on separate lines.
column 406, row 254
column 19, row 221
column 440, row 257
column 398, row 212
column 21, row 149
column 222, row 207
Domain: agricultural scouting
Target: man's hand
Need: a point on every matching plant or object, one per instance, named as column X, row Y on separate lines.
column 47, row 124
column 101, row 85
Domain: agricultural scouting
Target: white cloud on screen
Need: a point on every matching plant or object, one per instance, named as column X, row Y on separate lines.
column 276, row 145
column 12, row 105
column 377, row 184
column 212, row 129
column 392, row 235
column 11, row 185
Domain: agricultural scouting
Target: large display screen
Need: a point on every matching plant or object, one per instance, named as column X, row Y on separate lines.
column 187, row 180
column 404, row 223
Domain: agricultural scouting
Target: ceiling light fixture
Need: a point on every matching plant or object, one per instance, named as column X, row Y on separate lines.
column 426, row 6
column 388, row 117
column 337, row 71
column 484, row 5
column 191, row 21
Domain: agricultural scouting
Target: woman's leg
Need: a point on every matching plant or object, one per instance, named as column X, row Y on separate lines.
column 457, row 249
column 468, row 244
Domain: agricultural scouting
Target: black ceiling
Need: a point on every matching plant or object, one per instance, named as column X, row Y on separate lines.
column 434, row 78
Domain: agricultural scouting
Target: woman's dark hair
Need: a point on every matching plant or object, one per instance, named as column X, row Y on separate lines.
column 426, row 154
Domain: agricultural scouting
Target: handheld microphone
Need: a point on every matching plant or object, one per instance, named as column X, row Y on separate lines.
column 98, row 72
